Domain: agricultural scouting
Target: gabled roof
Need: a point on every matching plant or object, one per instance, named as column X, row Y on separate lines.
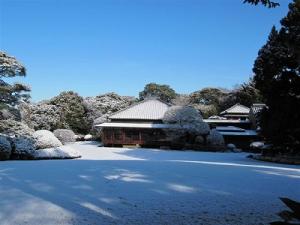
column 236, row 109
column 150, row 109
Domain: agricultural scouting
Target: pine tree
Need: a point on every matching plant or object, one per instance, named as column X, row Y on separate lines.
column 267, row 3
column 277, row 76
column 11, row 94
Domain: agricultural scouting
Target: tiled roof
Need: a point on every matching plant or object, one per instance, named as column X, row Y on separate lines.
column 236, row 109
column 151, row 109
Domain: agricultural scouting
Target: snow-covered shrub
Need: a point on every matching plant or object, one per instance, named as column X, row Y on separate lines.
column 5, row 148
column 215, row 138
column 206, row 110
column 257, row 145
column 88, row 137
column 97, row 130
column 231, row 146
column 10, row 113
column 103, row 105
column 181, row 99
column 79, row 137
column 73, row 111
column 199, row 140
column 23, row 148
column 41, row 116
column 65, row 135
column 187, row 120
column 186, row 117
column 15, row 128
column 101, row 119
column 45, row 139
column 64, row 152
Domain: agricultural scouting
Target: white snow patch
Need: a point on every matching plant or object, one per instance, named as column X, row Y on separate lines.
column 145, row 186
column 63, row 152
column 182, row 188
column 257, row 144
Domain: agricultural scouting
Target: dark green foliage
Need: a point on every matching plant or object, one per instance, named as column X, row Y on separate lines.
column 211, row 101
column 163, row 92
column 208, row 100
column 206, row 110
column 11, row 94
column 207, row 96
column 267, row 3
column 289, row 216
column 73, row 111
column 277, row 76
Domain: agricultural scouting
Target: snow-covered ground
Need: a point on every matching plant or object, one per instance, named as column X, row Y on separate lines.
column 144, row 186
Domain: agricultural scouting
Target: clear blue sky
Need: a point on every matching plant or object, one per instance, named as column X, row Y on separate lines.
column 98, row 46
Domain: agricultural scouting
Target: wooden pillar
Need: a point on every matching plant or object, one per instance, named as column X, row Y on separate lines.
column 123, row 135
column 140, row 136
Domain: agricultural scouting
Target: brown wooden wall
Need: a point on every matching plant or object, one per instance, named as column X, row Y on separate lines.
column 131, row 136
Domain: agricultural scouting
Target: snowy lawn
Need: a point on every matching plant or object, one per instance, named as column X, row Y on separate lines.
column 144, row 186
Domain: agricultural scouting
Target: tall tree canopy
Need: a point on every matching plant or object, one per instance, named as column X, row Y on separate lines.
column 277, row 76
column 245, row 94
column 11, row 94
column 163, row 92
column 207, row 96
column 73, row 111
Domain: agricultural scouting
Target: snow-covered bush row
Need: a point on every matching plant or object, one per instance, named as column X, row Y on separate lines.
column 45, row 139
column 65, row 135
column 5, row 148
column 23, row 148
column 41, row 116
column 10, row 113
column 70, row 111
column 15, row 128
column 19, row 135
column 106, row 104
column 63, row 152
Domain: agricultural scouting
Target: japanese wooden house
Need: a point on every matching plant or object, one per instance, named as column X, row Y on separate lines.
column 236, row 112
column 140, row 124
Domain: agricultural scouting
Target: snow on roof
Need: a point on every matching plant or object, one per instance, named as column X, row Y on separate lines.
column 242, row 133
column 138, row 125
column 151, row 109
column 230, row 128
column 237, row 109
column 256, row 108
column 225, row 121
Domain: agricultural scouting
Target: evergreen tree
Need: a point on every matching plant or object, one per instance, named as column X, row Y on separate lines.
column 11, row 94
column 277, row 76
column 73, row 111
column 267, row 3
column 163, row 92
